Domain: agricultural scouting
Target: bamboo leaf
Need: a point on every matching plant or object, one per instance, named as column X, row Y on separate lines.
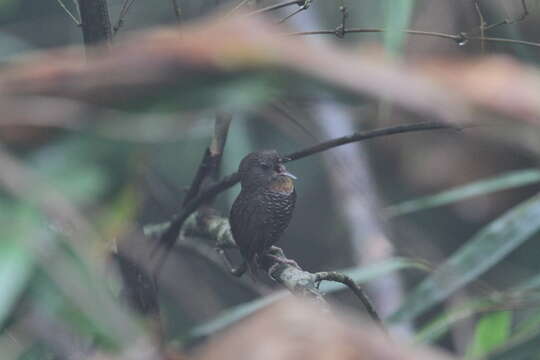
column 398, row 15
column 491, row 332
column 506, row 181
column 484, row 250
column 16, row 262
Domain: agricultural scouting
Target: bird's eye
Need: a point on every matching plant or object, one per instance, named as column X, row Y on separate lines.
column 265, row 166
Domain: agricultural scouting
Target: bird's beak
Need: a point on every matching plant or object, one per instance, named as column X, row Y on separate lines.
column 282, row 170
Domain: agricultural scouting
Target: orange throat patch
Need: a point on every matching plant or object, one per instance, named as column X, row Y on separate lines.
column 282, row 184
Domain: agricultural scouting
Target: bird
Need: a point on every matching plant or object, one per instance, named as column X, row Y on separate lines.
column 263, row 208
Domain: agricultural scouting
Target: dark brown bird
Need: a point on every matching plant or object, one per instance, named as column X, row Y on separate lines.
column 264, row 207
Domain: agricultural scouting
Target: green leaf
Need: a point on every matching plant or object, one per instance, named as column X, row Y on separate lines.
column 484, row 250
column 359, row 275
column 519, row 348
column 491, row 332
column 237, row 313
column 503, row 182
column 398, row 15
column 16, row 262
column 442, row 323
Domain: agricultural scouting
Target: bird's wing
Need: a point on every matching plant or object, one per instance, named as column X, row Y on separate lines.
column 250, row 224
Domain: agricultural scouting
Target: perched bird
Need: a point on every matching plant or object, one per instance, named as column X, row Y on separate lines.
column 264, row 207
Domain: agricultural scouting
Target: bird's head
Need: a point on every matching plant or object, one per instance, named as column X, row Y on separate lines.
column 263, row 169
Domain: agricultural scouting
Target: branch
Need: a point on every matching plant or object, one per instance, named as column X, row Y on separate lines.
column 482, row 24
column 279, row 268
column 95, row 22
column 278, row 6
column 359, row 136
column 304, row 6
column 206, row 176
column 169, row 237
column 357, row 290
column 177, row 10
column 524, row 14
column 126, row 5
column 69, row 13
column 460, row 38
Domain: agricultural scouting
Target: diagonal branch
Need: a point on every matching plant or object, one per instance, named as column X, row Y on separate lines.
column 357, row 290
column 169, row 237
column 206, row 176
column 95, row 21
column 69, row 13
column 280, row 269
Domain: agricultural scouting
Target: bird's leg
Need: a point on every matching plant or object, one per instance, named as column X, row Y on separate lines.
column 275, row 253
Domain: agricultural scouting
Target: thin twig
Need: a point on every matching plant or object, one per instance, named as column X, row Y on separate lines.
column 237, row 6
column 341, row 29
column 70, row 14
column 76, row 4
column 524, row 14
column 509, row 41
column 460, row 38
column 360, row 136
column 206, row 177
column 357, row 290
column 482, row 24
column 126, row 5
column 299, row 10
column 277, row 6
column 177, row 11
column 173, row 230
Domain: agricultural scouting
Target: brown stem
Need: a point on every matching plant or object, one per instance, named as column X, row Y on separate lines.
column 278, row 6
column 205, row 178
column 168, row 238
column 364, row 135
column 95, row 22
column 357, row 290
column 458, row 38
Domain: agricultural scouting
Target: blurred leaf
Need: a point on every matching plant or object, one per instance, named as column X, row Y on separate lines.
column 235, row 314
column 491, row 332
column 529, row 284
column 373, row 271
column 239, row 144
column 76, row 167
column 485, row 249
column 530, row 324
column 16, row 262
column 503, row 182
column 359, row 275
column 519, row 348
column 119, row 216
column 442, row 323
column 398, row 15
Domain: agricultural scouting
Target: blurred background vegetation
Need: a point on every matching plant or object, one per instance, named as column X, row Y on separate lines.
column 59, row 290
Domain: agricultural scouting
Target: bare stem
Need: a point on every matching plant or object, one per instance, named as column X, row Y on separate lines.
column 169, row 237
column 278, row 6
column 69, row 13
column 355, row 288
column 458, row 38
column 177, row 10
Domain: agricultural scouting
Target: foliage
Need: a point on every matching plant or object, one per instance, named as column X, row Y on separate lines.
column 75, row 185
